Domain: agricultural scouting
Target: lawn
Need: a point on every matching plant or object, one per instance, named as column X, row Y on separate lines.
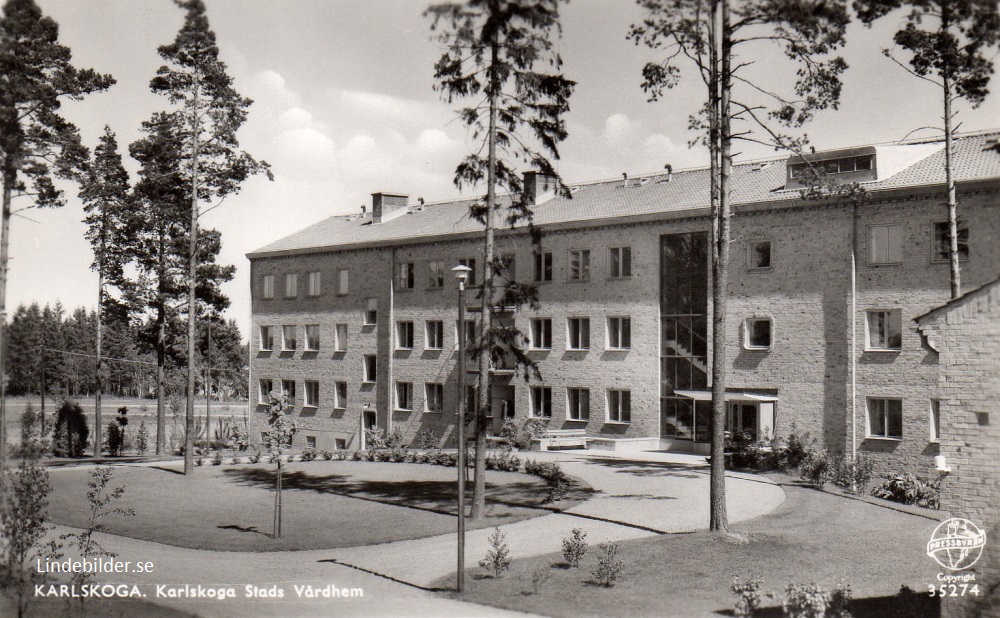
column 812, row 537
column 326, row 504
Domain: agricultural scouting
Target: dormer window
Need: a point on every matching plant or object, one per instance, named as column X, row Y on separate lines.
column 848, row 165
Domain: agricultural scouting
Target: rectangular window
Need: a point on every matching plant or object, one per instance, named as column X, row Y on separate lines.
column 942, row 241
column 288, row 341
column 434, row 397
column 885, row 330
column 268, row 285
column 885, row 418
column 619, row 406
column 371, row 368
column 371, row 312
column 404, row 395
column 541, row 333
column 314, row 283
column 288, row 389
column 935, row 420
column 579, row 333
column 759, row 254
column 340, row 344
column 264, row 391
column 312, row 337
column 470, row 333
column 543, row 266
column 470, row 263
column 404, row 335
column 404, row 276
column 579, row 265
column 619, row 333
column 434, row 331
column 435, row 273
column 885, row 244
column 578, row 404
column 311, row 442
column 757, row 334
column 343, row 282
column 340, row 396
column 266, row 338
column 291, row 285
column 312, row 394
column 541, row 402
column 620, row 262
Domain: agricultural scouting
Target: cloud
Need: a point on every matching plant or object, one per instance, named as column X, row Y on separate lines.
column 617, row 130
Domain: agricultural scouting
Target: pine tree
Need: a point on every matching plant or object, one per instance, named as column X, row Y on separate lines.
column 948, row 42
column 37, row 145
column 709, row 35
column 200, row 134
column 492, row 49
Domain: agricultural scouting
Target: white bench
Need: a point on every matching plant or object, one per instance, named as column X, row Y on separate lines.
column 560, row 438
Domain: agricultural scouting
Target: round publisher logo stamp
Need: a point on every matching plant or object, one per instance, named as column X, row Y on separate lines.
column 956, row 544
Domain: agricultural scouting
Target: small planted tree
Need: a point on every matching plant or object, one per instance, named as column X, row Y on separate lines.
column 497, row 559
column 574, row 547
column 277, row 440
column 71, row 433
column 142, row 438
column 609, row 565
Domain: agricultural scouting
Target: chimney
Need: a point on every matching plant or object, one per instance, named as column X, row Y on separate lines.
column 538, row 188
column 364, row 209
column 625, row 180
column 670, row 171
column 388, row 206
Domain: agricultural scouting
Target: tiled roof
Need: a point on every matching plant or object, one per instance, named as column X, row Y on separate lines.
column 976, row 157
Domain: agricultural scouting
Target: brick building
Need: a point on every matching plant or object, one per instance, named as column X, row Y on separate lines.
column 355, row 316
column 966, row 334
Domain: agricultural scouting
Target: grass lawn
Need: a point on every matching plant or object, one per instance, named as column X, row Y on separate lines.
column 326, row 504
column 812, row 537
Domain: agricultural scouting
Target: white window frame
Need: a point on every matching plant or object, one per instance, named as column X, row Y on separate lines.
column 748, row 331
column 264, row 394
column 311, row 394
column 893, row 317
column 433, row 397
column 578, row 327
column 617, row 398
column 291, row 285
column 543, row 266
column 471, row 264
column 405, row 276
column 340, row 338
column 434, row 334
column 751, row 254
column 435, row 273
column 623, row 261
column 617, row 328
column 289, row 392
column 267, row 283
column 575, row 405
column 541, row 402
column 893, row 241
column 963, row 230
column 284, row 338
column 314, row 283
column 935, row 421
column 343, row 281
column 370, row 369
column 340, row 398
column 308, row 346
column 404, row 395
column 882, row 402
column 265, row 339
column 541, row 333
column 404, row 335
column 579, row 264
column 371, row 312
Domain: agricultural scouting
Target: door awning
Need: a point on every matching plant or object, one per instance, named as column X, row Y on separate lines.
column 730, row 396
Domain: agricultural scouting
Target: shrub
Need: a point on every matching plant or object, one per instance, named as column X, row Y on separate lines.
column 609, row 566
column 854, row 475
column 199, row 461
column 539, row 575
column 805, row 601
column 309, row 454
column 235, row 433
column 815, row 468
column 574, row 547
column 326, row 455
column 142, row 438
column 755, row 455
column 504, row 461
column 553, row 475
column 748, row 596
column 71, row 432
column 217, row 458
column 34, row 441
column 794, row 451
column 497, row 559
column 426, row 439
column 840, row 599
column 906, row 488
column 235, row 461
column 255, row 458
column 115, row 440
column 376, row 439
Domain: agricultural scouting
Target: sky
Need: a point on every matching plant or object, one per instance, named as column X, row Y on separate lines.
column 344, row 106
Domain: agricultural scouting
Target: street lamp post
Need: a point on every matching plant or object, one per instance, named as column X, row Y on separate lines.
column 461, row 274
